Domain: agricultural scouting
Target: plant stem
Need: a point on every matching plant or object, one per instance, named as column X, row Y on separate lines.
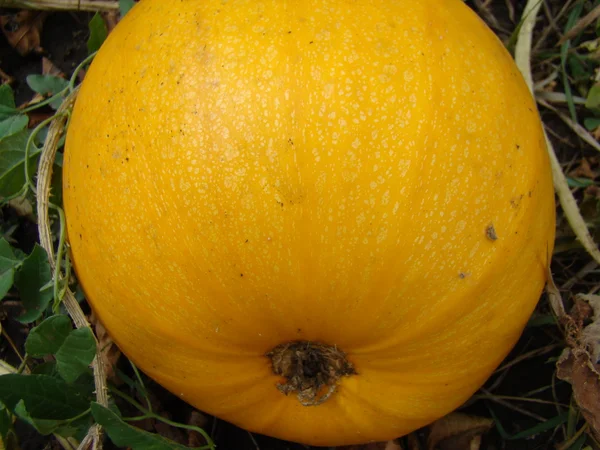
column 139, row 378
column 59, row 256
column 150, row 415
column 64, row 5
column 43, row 193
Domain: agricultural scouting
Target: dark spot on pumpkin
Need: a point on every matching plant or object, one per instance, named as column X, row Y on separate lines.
column 490, row 232
column 241, row 274
column 463, row 275
column 311, row 42
column 246, row 241
column 515, row 202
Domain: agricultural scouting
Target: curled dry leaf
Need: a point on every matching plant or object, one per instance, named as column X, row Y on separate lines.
column 23, row 30
column 108, row 350
column 584, row 169
column 458, row 431
column 578, row 364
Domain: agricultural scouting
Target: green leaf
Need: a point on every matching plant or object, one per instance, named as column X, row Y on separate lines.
column 13, row 124
column 46, row 397
column 12, row 159
column 48, row 337
column 7, row 96
column 7, row 279
column 98, row 33
column 6, row 252
column 125, row 6
column 46, row 368
column 579, row 182
column 7, row 102
column 5, row 422
column 8, row 263
column 591, row 123
column 124, row 435
column 74, row 349
column 76, row 354
column 43, row 426
column 34, row 273
column 48, row 85
column 593, row 97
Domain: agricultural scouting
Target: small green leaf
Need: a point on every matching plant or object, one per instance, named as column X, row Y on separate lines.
column 13, row 124
column 74, row 349
column 593, row 98
column 7, row 102
column 34, row 273
column 125, row 6
column 8, row 263
column 6, row 252
column 7, row 279
column 48, row 85
column 591, row 123
column 43, row 426
column 76, row 354
column 48, row 337
column 12, row 159
column 46, row 397
column 124, row 435
column 98, row 33
column 579, row 182
column 5, row 422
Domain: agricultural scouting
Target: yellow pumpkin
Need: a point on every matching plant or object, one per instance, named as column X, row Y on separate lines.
column 327, row 221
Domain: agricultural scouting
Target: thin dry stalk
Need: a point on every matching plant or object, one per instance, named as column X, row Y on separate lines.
column 516, row 408
column 581, row 25
column 43, row 193
column 63, row 5
column 567, row 201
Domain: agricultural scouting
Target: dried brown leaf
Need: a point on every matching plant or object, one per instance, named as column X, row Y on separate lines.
column 23, row 30
column 458, row 431
column 578, row 364
column 584, row 170
column 576, row 367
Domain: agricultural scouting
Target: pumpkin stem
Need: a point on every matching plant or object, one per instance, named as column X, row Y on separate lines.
column 311, row 370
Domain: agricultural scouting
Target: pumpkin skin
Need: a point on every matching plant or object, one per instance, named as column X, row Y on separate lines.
column 371, row 175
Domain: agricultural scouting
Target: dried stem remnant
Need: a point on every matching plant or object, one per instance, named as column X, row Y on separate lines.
column 311, row 369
